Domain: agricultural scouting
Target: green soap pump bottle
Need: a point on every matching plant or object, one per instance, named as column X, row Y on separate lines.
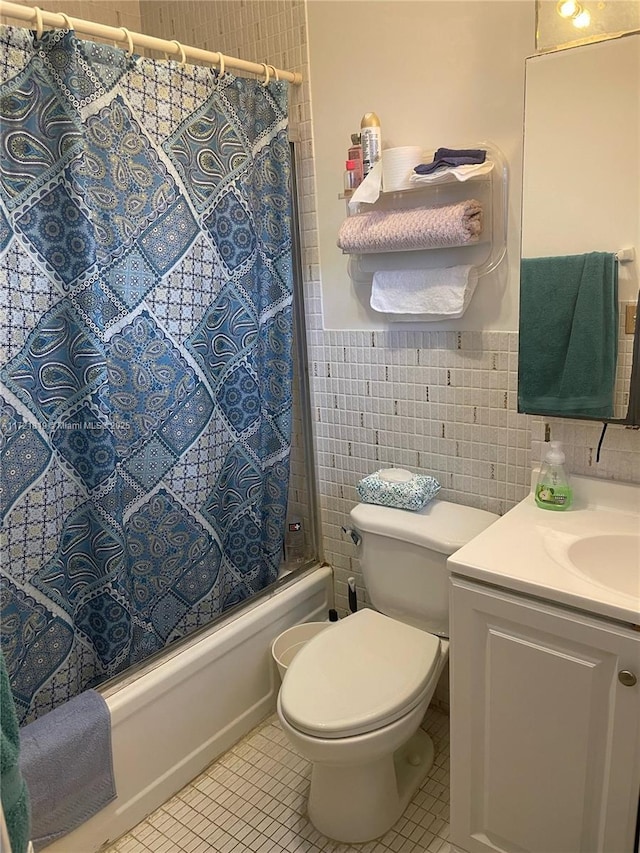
column 552, row 489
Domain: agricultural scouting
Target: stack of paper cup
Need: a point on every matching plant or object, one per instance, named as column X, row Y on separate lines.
column 397, row 167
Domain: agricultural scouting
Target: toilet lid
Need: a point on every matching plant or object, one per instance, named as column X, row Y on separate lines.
column 361, row 674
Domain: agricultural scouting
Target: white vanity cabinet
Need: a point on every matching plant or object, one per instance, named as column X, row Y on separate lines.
column 545, row 732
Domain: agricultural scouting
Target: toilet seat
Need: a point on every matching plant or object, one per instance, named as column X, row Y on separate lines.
column 363, row 673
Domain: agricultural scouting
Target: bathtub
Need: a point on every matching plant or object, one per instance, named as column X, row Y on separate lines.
column 175, row 716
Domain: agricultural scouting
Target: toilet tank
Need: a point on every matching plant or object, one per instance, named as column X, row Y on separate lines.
column 403, row 556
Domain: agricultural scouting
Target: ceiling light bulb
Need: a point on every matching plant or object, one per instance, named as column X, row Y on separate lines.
column 582, row 20
column 568, row 8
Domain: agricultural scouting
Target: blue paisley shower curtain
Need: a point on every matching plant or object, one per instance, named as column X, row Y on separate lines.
column 145, row 336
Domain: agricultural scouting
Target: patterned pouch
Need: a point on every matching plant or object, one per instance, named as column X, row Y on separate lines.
column 411, row 493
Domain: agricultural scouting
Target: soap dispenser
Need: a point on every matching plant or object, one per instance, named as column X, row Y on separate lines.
column 552, row 489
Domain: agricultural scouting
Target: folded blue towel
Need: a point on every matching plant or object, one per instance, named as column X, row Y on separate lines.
column 568, row 342
column 15, row 797
column 65, row 757
column 406, row 492
column 452, row 157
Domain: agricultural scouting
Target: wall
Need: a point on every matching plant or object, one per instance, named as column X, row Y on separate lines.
column 437, row 74
column 439, row 402
column 112, row 13
column 435, row 401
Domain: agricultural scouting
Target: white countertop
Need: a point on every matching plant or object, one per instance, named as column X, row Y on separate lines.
column 526, row 550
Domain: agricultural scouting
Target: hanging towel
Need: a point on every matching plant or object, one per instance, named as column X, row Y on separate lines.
column 435, row 294
column 568, row 339
column 66, row 760
column 13, row 790
column 418, row 228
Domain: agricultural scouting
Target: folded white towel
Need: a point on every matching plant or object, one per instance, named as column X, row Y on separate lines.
column 445, row 176
column 435, row 294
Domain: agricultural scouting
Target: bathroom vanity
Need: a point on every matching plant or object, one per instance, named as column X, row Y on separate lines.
column 545, row 678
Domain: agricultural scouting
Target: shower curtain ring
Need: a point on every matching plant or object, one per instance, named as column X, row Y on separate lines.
column 183, row 55
column 267, row 76
column 39, row 22
column 129, row 39
column 275, row 73
column 221, row 64
column 67, row 20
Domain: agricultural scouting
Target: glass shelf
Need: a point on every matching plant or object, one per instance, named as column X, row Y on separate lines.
column 489, row 188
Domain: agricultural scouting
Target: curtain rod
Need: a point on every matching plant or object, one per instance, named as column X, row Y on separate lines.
column 58, row 20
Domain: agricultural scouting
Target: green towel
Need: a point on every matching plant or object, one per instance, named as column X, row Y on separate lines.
column 568, row 344
column 15, row 797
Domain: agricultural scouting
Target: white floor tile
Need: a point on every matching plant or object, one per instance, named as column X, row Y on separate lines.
column 253, row 800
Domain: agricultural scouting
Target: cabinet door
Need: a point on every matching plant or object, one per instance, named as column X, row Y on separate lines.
column 545, row 740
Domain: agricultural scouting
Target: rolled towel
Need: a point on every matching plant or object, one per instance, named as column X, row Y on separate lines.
column 435, row 294
column 418, row 228
column 398, row 488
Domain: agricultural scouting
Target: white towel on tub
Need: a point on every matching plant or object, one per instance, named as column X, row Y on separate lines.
column 429, row 295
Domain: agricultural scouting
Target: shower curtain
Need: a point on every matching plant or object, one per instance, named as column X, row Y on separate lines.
column 145, row 354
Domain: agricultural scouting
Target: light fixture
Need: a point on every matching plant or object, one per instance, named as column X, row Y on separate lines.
column 582, row 19
column 568, row 8
column 571, row 9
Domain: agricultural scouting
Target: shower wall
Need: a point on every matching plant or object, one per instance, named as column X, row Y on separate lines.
column 112, row 13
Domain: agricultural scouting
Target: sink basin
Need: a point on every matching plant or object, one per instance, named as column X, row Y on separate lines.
column 612, row 560
column 587, row 557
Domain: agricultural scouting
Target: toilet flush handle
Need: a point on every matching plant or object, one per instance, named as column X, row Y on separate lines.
column 355, row 536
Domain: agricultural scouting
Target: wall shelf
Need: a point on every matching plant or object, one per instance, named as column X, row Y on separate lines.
column 490, row 189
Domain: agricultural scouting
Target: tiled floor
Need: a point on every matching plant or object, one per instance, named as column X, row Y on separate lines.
column 253, row 799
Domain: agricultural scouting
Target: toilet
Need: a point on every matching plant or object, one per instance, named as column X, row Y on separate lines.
column 353, row 698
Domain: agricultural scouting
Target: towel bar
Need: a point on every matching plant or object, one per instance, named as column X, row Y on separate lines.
column 626, row 256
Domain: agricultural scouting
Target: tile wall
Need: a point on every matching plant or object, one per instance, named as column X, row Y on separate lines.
column 112, row 13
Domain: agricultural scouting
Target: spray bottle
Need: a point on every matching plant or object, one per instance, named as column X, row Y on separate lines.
column 371, row 139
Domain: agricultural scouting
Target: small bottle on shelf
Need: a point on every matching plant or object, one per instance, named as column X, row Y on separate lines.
column 355, row 153
column 350, row 177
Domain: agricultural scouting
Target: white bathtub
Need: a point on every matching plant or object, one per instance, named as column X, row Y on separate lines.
column 175, row 717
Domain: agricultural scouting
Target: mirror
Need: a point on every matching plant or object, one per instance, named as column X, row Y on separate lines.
column 581, row 194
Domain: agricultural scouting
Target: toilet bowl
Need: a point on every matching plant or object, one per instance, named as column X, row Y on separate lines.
column 360, row 724
column 353, row 698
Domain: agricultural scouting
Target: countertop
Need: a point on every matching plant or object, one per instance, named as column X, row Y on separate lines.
column 526, row 549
